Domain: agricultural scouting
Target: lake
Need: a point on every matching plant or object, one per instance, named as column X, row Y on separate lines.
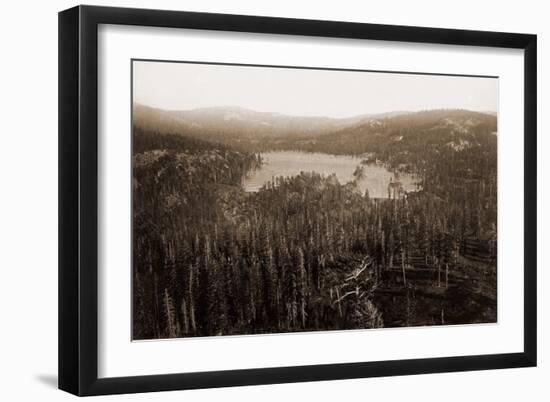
column 291, row 163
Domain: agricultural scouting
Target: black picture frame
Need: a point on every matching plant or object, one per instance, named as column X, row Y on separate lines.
column 78, row 199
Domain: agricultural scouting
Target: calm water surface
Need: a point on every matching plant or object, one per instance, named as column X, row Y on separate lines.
column 290, row 163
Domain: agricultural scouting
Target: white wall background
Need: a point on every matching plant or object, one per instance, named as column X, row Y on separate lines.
column 28, row 199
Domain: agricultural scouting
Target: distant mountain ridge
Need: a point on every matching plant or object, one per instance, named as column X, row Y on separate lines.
column 227, row 122
column 454, row 128
column 230, row 124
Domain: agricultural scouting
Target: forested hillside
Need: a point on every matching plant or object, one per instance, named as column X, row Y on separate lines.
column 309, row 253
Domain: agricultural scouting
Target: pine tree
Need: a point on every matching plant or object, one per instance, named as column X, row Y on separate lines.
column 302, row 286
column 170, row 315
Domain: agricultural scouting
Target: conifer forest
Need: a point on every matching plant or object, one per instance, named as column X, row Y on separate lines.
column 222, row 245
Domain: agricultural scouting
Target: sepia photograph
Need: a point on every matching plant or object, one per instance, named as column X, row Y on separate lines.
column 277, row 199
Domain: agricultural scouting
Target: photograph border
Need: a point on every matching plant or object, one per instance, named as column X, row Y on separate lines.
column 78, row 199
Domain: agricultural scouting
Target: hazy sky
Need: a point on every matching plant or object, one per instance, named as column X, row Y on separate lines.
column 184, row 86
